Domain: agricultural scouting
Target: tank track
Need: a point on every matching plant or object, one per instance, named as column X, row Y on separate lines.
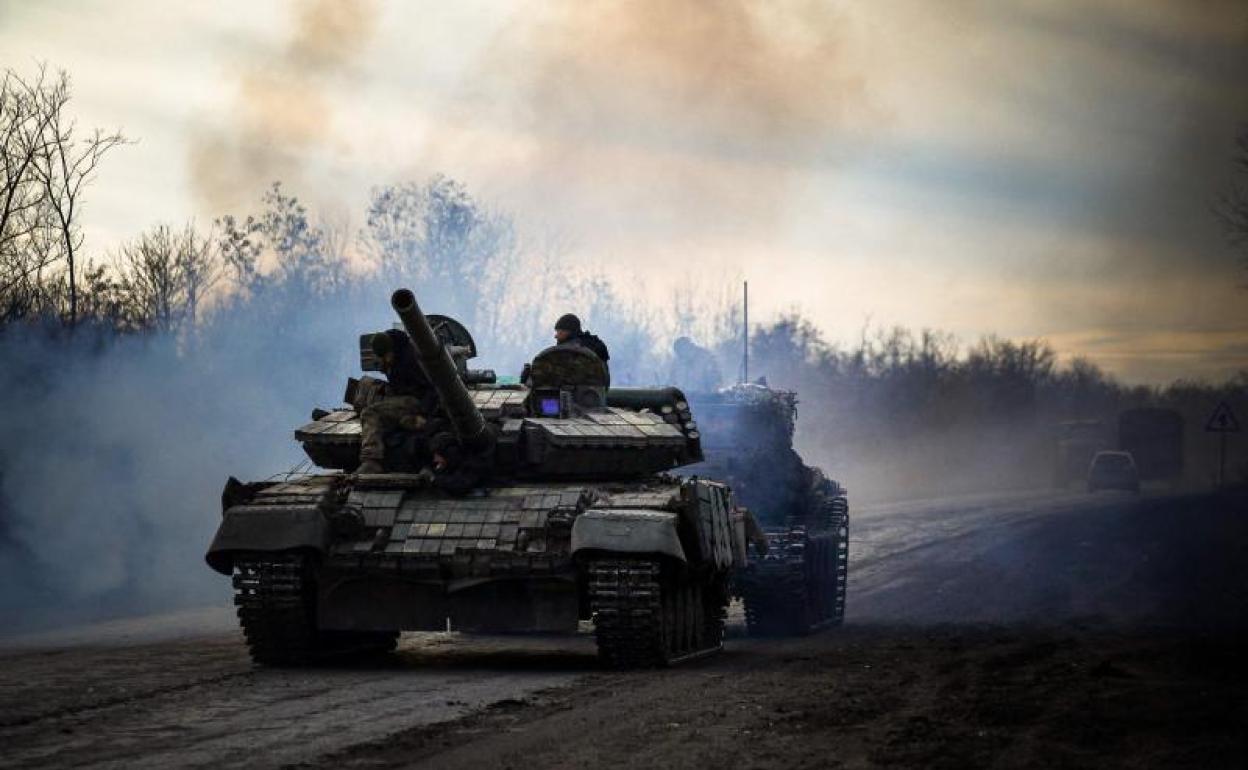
column 276, row 599
column 647, row 616
column 800, row 586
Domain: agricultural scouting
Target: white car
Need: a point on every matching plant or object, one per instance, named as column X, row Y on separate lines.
column 1113, row 470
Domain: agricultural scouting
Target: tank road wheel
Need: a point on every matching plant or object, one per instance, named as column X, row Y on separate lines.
column 715, row 601
column 646, row 616
column 777, row 598
column 824, row 583
column 276, row 608
column 801, row 585
column 777, row 590
column 840, row 560
column 828, row 567
column 276, row 600
column 674, row 626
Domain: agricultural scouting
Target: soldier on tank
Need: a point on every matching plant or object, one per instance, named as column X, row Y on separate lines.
column 454, row 470
column 568, row 331
column 409, row 403
column 694, row 367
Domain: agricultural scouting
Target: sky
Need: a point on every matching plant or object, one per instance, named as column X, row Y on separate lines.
column 1029, row 169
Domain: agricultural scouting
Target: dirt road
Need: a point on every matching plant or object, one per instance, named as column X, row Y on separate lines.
column 1033, row 630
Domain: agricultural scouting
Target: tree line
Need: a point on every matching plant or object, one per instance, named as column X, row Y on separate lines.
column 46, row 164
column 1232, row 206
column 287, row 271
column 903, row 412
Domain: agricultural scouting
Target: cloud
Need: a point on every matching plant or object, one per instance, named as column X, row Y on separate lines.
column 1160, row 357
column 283, row 114
column 660, row 118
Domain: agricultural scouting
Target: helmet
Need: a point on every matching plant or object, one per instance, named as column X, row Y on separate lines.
column 568, row 323
column 381, row 344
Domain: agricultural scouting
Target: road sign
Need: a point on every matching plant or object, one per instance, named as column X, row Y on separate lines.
column 1222, row 420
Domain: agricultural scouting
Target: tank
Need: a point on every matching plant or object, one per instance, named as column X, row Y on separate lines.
column 797, row 583
column 562, row 510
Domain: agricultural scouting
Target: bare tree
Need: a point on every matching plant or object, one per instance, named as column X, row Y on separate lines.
column 303, row 263
column 25, row 114
column 31, row 277
column 65, row 165
column 436, row 233
column 44, row 168
column 1232, row 209
column 163, row 276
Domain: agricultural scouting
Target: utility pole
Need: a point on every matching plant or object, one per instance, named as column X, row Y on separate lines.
column 745, row 357
column 1222, row 463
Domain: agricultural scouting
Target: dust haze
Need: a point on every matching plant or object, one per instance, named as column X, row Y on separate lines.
column 655, row 133
column 106, row 506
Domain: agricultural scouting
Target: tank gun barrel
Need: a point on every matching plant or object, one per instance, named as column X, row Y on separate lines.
column 440, row 368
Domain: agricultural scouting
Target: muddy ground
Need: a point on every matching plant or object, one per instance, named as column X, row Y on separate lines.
column 1029, row 630
column 873, row 696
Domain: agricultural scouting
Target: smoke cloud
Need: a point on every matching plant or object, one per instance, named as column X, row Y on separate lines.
column 120, row 448
column 670, row 118
column 283, row 114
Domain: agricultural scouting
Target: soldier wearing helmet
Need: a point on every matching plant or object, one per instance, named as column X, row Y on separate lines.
column 568, row 332
column 694, row 368
column 409, row 403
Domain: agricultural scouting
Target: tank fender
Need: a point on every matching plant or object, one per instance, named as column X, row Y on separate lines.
column 266, row 528
column 627, row 531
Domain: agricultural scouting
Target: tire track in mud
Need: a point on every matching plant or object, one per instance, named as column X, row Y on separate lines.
column 175, row 714
column 1137, row 687
column 114, row 701
column 200, row 703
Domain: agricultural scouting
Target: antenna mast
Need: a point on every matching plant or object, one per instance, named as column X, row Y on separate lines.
column 745, row 358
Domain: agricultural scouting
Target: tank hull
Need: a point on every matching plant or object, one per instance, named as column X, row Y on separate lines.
column 361, row 558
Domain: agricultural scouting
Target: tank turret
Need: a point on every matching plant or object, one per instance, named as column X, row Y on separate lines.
column 562, row 423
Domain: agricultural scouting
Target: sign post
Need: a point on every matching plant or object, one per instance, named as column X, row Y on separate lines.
column 1222, row 422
